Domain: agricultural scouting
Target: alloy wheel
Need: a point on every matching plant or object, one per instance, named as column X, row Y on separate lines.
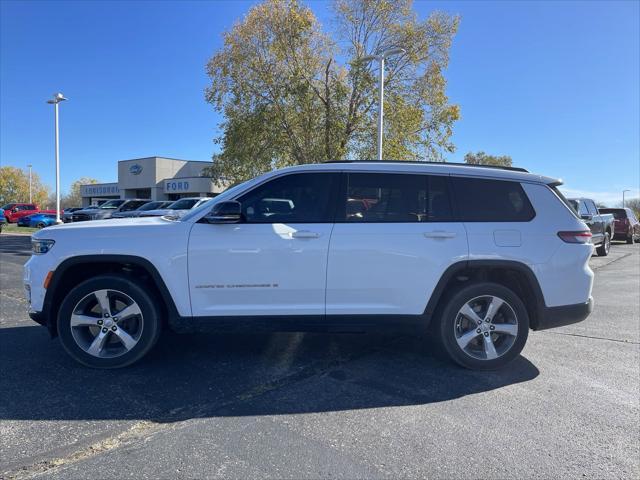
column 106, row 323
column 486, row 327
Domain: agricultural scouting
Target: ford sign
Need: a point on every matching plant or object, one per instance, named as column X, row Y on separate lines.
column 135, row 169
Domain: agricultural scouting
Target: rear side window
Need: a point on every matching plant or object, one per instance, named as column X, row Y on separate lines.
column 618, row 213
column 400, row 198
column 483, row 200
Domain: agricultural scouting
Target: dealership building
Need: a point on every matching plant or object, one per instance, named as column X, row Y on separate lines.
column 155, row 178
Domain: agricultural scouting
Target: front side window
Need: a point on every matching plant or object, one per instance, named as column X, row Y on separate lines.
column 485, row 200
column 396, row 198
column 294, row 198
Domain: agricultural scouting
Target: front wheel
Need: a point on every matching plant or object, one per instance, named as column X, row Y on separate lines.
column 108, row 322
column 483, row 326
column 605, row 246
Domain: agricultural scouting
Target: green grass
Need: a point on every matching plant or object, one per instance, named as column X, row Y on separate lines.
column 13, row 228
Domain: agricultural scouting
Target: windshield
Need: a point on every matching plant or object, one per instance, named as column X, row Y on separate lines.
column 8, row 206
column 183, row 204
column 111, row 204
column 150, row 206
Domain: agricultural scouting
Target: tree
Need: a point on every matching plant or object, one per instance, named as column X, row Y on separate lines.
column 633, row 204
column 73, row 198
column 482, row 158
column 292, row 94
column 14, row 187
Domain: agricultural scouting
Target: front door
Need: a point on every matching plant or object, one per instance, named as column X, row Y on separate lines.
column 274, row 261
column 393, row 239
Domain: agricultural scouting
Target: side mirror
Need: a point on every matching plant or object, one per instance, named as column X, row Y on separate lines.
column 225, row 212
column 586, row 217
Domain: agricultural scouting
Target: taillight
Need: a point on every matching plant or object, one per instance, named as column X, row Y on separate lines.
column 582, row 236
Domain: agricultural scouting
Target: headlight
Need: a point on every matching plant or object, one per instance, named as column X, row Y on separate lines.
column 40, row 247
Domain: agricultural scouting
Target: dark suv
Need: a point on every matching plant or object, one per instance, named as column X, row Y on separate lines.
column 626, row 225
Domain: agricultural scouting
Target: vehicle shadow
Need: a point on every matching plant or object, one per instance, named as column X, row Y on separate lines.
column 194, row 376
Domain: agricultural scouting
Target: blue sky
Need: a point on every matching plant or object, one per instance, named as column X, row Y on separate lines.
column 553, row 84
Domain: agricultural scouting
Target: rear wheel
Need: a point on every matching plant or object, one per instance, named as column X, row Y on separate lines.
column 483, row 326
column 630, row 238
column 605, row 246
column 108, row 322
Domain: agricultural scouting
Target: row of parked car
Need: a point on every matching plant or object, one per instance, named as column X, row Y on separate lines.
column 29, row 215
column 607, row 224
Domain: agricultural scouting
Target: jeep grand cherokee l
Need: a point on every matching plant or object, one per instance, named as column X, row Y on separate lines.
column 472, row 256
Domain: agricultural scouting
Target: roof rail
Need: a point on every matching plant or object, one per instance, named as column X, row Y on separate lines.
column 418, row 162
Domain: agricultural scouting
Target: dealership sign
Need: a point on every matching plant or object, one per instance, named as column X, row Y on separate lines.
column 110, row 189
column 135, row 169
column 176, row 186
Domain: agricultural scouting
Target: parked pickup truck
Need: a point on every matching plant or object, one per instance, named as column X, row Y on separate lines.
column 601, row 225
column 14, row 211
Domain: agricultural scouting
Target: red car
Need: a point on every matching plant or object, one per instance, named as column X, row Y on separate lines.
column 626, row 226
column 15, row 211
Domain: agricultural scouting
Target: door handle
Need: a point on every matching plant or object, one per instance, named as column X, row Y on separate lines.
column 304, row 234
column 439, row 234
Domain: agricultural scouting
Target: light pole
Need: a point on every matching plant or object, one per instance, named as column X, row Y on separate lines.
column 381, row 58
column 57, row 98
column 623, row 192
column 30, row 182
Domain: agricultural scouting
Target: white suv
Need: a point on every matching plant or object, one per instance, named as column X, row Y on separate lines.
column 474, row 256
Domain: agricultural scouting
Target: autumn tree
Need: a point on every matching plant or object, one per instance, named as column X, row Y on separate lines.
column 14, row 187
column 73, row 197
column 293, row 94
column 482, row 158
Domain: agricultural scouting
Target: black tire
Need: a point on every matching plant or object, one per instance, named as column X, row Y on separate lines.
column 630, row 239
column 40, row 225
column 150, row 323
column 447, row 318
column 605, row 246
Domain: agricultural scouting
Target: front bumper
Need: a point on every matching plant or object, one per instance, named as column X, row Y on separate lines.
column 565, row 315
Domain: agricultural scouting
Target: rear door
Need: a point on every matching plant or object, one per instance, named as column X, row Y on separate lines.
column 500, row 220
column 598, row 222
column 393, row 238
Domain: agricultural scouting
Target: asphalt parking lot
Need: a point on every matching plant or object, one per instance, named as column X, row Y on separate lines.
column 338, row 406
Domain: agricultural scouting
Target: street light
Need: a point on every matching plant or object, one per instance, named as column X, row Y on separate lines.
column 57, row 98
column 30, row 182
column 623, row 192
column 381, row 58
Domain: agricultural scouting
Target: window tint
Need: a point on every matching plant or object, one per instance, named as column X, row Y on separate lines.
column 482, row 200
column 380, row 198
column 582, row 208
column 593, row 210
column 295, row 198
column 132, row 205
column 618, row 213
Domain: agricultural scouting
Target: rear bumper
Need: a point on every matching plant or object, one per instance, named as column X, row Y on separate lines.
column 565, row 315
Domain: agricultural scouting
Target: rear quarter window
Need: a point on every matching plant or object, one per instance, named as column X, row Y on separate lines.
column 486, row 200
